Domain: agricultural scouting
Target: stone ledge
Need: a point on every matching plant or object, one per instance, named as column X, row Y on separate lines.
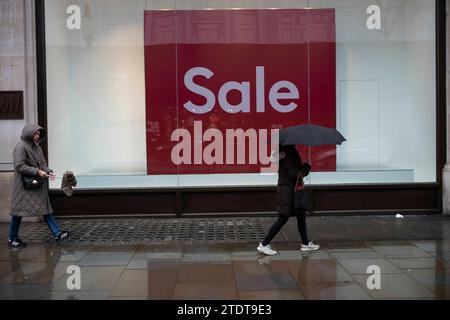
column 6, row 184
column 446, row 190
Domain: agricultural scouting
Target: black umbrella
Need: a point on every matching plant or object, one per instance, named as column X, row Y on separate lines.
column 310, row 135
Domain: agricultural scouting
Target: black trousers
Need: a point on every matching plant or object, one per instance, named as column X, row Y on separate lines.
column 281, row 221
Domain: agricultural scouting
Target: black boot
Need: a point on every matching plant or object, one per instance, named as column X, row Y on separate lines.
column 62, row 235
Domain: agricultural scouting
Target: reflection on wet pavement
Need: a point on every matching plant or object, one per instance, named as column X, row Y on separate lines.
column 408, row 269
column 225, row 271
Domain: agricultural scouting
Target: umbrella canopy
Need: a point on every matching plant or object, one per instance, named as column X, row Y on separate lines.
column 310, row 135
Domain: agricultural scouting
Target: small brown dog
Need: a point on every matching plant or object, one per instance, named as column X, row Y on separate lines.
column 68, row 182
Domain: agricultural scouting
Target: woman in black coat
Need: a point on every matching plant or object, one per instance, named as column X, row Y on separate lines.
column 291, row 172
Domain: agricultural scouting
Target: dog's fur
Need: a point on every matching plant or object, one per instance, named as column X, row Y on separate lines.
column 68, row 182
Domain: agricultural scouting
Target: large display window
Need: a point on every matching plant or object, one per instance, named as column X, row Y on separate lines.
column 156, row 94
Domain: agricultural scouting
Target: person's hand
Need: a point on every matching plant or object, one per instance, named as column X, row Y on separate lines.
column 52, row 176
column 42, row 174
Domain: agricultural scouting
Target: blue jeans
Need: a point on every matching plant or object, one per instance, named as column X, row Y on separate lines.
column 15, row 225
column 52, row 225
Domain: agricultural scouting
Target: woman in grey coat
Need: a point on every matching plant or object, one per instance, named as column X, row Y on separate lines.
column 291, row 172
column 29, row 161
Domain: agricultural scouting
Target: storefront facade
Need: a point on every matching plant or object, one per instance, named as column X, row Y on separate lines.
column 169, row 108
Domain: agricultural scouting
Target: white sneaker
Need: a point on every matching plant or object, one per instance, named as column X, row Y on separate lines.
column 310, row 247
column 266, row 250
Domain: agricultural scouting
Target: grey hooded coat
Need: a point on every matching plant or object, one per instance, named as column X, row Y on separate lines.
column 28, row 160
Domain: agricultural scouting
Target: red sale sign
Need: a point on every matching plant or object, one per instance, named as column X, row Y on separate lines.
column 220, row 82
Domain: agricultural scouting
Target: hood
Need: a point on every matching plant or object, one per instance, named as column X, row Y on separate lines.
column 29, row 130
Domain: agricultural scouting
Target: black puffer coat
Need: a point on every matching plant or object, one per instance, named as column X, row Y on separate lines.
column 289, row 166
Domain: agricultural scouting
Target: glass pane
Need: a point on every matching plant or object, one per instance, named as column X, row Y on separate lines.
column 385, row 91
column 239, row 67
column 96, row 93
column 190, row 93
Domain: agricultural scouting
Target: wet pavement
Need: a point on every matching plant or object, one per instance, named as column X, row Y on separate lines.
column 209, row 259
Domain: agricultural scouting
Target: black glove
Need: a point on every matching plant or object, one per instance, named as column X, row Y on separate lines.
column 306, row 168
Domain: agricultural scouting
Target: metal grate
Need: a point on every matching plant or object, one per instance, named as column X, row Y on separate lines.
column 136, row 231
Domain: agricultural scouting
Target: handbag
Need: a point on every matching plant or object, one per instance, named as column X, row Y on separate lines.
column 32, row 182
column 300, row 202
column 299, row 193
